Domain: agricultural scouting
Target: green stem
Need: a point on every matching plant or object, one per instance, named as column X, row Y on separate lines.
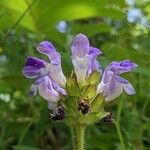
column 80, row 129
column 118, row 125
column 73, row 138
column 120, row 135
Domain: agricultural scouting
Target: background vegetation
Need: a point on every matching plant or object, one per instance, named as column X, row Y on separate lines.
column 120, row 28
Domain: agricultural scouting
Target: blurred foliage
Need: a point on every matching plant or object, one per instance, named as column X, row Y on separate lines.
column 24, row 121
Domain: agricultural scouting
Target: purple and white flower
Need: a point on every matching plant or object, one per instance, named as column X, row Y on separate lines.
column 84, row 57
column 50, row 79
column 112, row 85
column 55, row 69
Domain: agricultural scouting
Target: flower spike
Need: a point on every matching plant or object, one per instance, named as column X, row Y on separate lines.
column 78, row 101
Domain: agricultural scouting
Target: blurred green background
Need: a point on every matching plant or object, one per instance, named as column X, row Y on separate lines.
column 120, row 28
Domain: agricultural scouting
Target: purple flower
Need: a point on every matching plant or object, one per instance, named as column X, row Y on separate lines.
column 84, row 57
column 55, row 69
column 112, row 84
column 50, row 80
column 49, row 76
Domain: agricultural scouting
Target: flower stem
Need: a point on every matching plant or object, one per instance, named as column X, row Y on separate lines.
column 118, row 125
column 73, row 138
column 80, row 129
column 120, row 136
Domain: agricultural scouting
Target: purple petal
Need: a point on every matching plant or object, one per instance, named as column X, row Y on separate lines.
column 47, row 91
column 129, row 89
column 41, row 79
column 48, row 49
column 80, row 45
column 45, row 47
column 121, row 80
column 93, row 65
column 106, row 81
column 109, row 86
column 58, row 88
column 113, row 90
column 107, row 75
column 35, row 62
column 94, row 52
column 30, row 72
column 122, row 67
column 127, row 64
column 33, row 67
column 112, row 85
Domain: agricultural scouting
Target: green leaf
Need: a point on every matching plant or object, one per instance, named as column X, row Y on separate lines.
column 97, row 103
column 69, row 121
column 71, row 105
column 94, row 78
column 94, row 117
column 90, row 92
column 72, row 86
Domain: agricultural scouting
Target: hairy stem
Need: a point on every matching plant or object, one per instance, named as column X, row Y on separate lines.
column 74, row 140
column 80, row 129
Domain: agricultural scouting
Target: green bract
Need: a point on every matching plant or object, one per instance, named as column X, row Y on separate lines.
column 86, row 94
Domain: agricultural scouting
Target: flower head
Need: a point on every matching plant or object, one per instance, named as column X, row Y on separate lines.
column 84, row 57
column 86, row 94
column 112, row 84
column 50, row 79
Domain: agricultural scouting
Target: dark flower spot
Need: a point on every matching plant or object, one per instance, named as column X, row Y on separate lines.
column 84, row 107
column 58, row 114
column 108, row 119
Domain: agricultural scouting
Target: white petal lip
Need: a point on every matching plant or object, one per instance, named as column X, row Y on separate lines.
column 80, row 67
column 57, row 74
column 101, row 87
